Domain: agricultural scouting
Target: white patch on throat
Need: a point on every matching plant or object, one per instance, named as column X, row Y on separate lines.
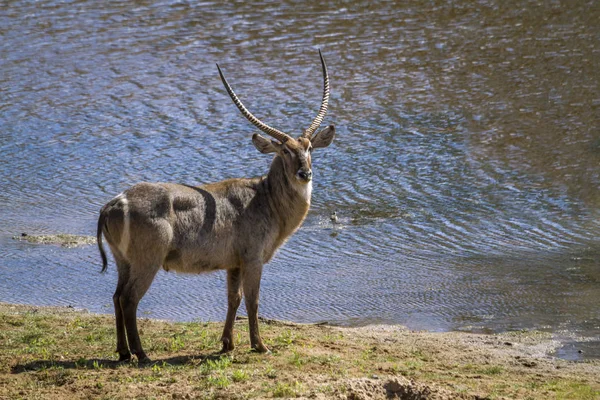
column 304, row 190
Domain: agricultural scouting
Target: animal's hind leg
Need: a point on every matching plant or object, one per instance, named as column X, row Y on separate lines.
column 122, row 348
column 133, row 291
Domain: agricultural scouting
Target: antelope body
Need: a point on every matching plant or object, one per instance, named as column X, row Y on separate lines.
column 235, row 225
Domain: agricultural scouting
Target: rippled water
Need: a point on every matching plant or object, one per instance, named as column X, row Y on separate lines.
column 465, row 171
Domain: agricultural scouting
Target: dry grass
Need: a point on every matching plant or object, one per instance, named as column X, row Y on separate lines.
column 56, row 353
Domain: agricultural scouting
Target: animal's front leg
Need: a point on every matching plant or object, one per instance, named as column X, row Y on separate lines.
column 234, row 298
column 252, row 275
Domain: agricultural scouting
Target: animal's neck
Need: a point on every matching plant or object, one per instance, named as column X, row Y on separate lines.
column 289, row 199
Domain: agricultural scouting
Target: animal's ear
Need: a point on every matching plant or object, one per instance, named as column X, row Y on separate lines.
column 263, row 145
column 323, row 138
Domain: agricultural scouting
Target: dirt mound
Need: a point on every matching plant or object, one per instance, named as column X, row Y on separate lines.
column 393, row 388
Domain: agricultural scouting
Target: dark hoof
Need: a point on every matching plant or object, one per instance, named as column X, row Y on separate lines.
column 261, row 348
column 125, row 357
column 227, row 346
column 144, row 360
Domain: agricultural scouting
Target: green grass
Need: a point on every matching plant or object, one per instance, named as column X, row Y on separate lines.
column 71, row 355
column 571, row 390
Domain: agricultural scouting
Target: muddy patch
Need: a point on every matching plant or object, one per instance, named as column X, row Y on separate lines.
column 61, row 239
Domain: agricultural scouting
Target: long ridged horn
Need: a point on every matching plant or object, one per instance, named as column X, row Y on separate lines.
column 323, row 110
column 277, row 134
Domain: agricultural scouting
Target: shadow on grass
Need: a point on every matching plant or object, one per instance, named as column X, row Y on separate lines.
column 97, row 363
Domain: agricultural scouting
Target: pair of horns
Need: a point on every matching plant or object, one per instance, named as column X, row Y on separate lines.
column 277, row 134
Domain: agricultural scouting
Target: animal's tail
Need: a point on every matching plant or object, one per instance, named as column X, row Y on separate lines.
column 101, row 221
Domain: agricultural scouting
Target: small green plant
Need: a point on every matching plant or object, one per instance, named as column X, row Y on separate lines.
column 283, row 389
column 367, row 354
column 176, row 343
column 420, row 355
column 285, row 338
column 214, row 365
column 332, row 337
column 413, row 365
column 328, row 390
column 328, row 359
column 219, row 381
column 408, row 368
column 156, row 369
column 79, row 323
column 239, row 375
column 32, row 338
column 297, row 359
column 271, row 372
column 208, row 340
column 494, row 370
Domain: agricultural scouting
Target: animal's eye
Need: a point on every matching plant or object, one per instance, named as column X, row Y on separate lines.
column 286, row 151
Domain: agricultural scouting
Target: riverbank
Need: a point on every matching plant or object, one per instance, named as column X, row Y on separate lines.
column 60, row 353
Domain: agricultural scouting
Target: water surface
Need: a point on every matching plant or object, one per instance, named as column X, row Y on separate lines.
column 465, row 171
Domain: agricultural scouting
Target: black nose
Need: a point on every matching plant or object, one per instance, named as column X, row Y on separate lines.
column 306, row 175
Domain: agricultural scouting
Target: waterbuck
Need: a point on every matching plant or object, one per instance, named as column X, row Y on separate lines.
column 235, row 225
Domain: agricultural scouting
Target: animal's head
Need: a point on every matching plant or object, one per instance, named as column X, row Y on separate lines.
column 295, row 153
